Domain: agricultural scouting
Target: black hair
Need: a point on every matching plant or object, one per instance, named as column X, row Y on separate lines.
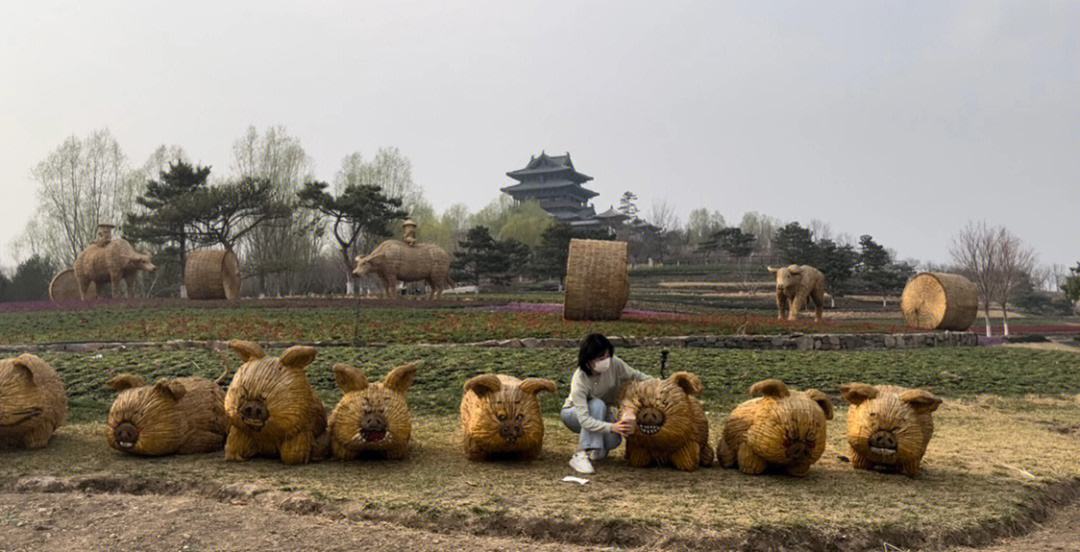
column 593, row 346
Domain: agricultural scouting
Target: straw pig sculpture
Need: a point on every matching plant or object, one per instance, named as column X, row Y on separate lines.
column 172, row 416
column 394, row 261
column 671, row 424
column 272, row 409
column 888, row 426
column 794, row 286
column 781, row 429
column 32, row 402
column 111, row 263
column 372, row 418
column 500, row 417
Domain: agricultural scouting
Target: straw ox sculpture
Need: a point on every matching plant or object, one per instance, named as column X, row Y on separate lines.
column 500, row 417
column 889, row 427
column 671, row 424
column 32, row 402
column 782, row 429
column 372, row 418
column 597, row 281
column 172, row 416
column 940, row 301
column 272, row 409
column 395, row 261
column 795, row 285
column 112, row 263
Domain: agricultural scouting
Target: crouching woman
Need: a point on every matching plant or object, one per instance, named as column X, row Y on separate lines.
column 594, row 396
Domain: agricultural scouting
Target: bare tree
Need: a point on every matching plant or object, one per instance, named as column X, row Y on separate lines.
column 662, row 214
column 1015, row 262
column 975, row 252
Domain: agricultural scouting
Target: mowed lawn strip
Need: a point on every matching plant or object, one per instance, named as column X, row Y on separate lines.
column 118, row 323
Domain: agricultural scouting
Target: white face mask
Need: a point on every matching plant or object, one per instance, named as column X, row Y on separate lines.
column 601, row 366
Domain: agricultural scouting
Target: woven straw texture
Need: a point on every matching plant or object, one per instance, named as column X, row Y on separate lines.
column 65, row 287
column 940, row 301
column 597, row 280
column 212, row 274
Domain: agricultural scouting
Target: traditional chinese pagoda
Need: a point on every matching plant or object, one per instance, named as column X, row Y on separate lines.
column 553, row 181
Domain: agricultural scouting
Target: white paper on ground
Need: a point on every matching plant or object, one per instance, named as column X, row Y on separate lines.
column 572, row 479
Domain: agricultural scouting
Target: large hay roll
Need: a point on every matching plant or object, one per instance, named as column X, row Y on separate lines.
column 65, row 287
column 940, row 301
column 212, row 274
column 597, row 280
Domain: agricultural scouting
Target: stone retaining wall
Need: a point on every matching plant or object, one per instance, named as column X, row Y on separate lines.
column 794, row 342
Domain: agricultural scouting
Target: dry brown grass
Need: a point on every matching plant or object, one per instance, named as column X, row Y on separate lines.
column 991, row 464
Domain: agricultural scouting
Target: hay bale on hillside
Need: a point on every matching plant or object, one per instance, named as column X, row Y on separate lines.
column 212, row 274
column 65, row 287
column 597, row 280
column 940, row 301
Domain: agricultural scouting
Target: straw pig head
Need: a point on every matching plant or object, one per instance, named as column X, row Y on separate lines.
column 172, row 416
column 32, row 402
column 781, row 429
column 372, row 418
column 671, row 424
column 889, row 427
column 272, row 409
column 500, row 417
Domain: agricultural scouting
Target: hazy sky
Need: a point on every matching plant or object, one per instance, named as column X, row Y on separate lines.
column 898, row 119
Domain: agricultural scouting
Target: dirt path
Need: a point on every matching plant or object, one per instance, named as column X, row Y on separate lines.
column 1061, row 533
column 76, row 521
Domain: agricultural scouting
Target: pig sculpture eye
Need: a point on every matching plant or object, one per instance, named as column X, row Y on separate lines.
column 502, row 417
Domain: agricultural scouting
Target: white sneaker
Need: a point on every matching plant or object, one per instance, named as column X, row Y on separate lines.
column 580, row 462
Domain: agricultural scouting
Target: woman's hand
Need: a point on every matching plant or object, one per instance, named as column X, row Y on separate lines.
column 623, row 427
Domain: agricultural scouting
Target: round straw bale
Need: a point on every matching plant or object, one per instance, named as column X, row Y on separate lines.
column 940, row 301
column 597, row 280
column 212, row 274
column 65, row 287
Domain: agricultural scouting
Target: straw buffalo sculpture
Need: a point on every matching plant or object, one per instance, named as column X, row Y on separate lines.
column 889, row 427
column 795, row 285
column 395, row 261
column 112, row 263
column 32, row 402
column 372, row 418
column 782, row 429
column 272, row 409
column 500, row 417
column 172, row 416
column 671, row 424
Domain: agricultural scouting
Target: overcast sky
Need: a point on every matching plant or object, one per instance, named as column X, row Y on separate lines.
column 898, row 119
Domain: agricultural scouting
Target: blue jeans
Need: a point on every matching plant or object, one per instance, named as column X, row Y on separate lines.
column 593, row 440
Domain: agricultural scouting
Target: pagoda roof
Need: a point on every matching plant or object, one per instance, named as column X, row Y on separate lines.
column 533, row 185
column 612, row 214
column 545, row 164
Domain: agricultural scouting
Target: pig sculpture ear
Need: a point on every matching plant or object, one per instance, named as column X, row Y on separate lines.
column 484, row 384
column 349, row 379
column 857, row 393
column 247, row 350
column 171, row 389
column 536, row 385
column 400, row 379
column 123, row 382
column 822, row 400
column 298, row 357
column 690, row 383
column 921, row 400
column 21, row 364
column 770, row 388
